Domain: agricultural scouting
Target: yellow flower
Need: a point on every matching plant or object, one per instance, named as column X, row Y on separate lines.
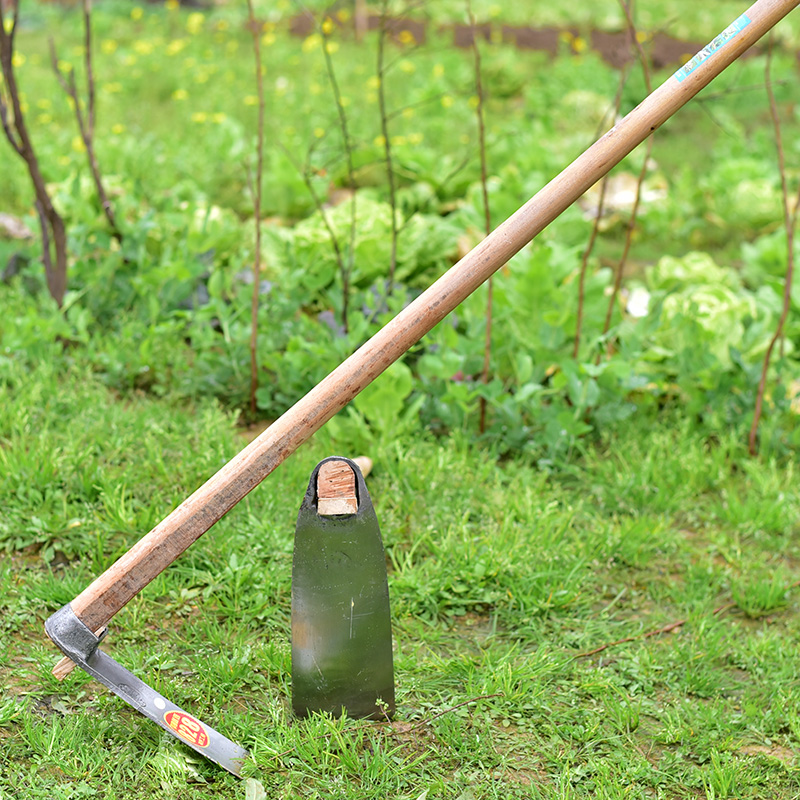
column 18, row 59
column 415, row 138
column 406, row 37
column 77, row 144
column 172, row 5
column 108, row 46
column 199, row 116
column 268, row 39
column 379, row 141
column 408, row 113
column 117, row 129
column 143, row 47
column 642, row 37
column 64, row 161
column 311, row 43
column 331, row 47
column 180, row 94
column 474, row 101
column 194, row 22
column 137, row 12
column 251, row 100
column 221, row 25
column 219, row 117
column 579, row 44
column 345, row 101
column 319, row 132
column 374, row 82
column 112, row 88
column 447, row 101
column 315, row 88
column 438, row 70
column 399, row 141
column 44, row 119
column 407, row 66
column 328, row 26
column 343, row 15
column 175, row 46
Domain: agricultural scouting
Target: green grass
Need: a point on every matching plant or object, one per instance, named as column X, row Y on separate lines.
column 501, row 577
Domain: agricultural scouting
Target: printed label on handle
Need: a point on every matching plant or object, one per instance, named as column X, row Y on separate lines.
column 187, row 728
column 717, row 44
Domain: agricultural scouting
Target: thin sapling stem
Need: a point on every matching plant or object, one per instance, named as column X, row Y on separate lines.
column 387, row 142
column 790, row 223
column 487, row 215
column 587, row 252
column 631, row 226
column 54, row 234
column 86, row 122
column 346, row 265
column 255, row 30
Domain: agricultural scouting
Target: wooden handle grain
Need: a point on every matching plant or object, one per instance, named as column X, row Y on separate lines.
column 98, row 603
column 336, row 489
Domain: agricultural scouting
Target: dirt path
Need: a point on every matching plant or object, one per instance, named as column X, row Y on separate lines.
column 615, row 48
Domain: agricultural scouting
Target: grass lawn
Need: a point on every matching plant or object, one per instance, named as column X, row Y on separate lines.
column 506, row 584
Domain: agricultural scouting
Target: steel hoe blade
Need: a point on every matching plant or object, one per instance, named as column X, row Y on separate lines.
column 81, row 645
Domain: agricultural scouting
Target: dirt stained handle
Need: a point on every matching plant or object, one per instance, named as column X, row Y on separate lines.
column 98, row 603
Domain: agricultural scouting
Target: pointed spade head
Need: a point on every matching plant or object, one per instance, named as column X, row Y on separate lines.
column 341, row 623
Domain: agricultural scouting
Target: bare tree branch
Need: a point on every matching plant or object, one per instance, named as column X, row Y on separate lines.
column 487, row 215
column 53, row 230
column 346, row 267
column 86, row 123
column 631, row 226
column 587, row 252
column 256, row 32
column 790, row 222
column 387, row 143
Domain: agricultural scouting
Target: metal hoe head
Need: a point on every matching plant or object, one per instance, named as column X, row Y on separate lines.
column 80, row 644
column 341, row 621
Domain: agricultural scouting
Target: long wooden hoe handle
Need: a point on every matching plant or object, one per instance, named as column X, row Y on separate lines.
column 98, row 603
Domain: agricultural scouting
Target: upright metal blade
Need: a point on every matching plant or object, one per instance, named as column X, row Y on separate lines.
column 80, row 644
column 341, row 623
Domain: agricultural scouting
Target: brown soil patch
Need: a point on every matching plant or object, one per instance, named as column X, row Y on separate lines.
column 783, row 754
column 613, row 46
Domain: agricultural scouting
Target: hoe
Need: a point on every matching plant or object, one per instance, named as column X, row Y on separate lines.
column 79, row 626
